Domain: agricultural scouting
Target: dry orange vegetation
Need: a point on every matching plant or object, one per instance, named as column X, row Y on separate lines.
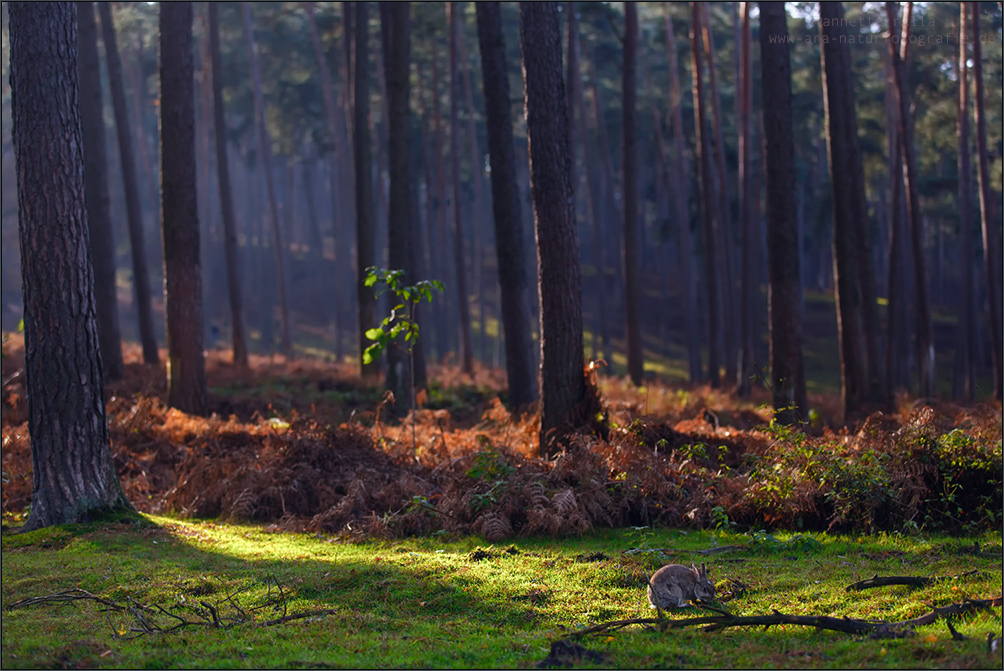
column 307, row 445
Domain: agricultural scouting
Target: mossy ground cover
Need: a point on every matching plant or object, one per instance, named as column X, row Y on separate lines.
column 459, row 602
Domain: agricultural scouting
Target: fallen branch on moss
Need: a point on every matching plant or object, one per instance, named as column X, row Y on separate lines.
column 876, row 628
column 206, row 614
column 913, row 581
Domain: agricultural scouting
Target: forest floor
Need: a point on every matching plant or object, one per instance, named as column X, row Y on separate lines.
column 300, row 497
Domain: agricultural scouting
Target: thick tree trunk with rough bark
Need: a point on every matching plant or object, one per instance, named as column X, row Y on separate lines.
column 559, row 281
column 785, row 294
column 99, row 223
column 509, row 237
column 632, row 268
column 186, row 372
column 72, row 469
column 234, row 292
column 134, row 213
column 395, row 18
column 989, row 216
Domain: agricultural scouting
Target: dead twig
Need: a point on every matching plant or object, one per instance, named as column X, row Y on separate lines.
column 913, row 581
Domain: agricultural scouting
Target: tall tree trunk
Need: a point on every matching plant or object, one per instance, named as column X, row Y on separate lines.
column 988, row 213
column 365, row 251
column 466, row 355
column 630, row 253
column 478, row 204
column 601, row 328
column 441, row 223
column 186, row 372
column 509, row 246
column 787, row 367
column 72, row 468
column 709, row 212
column 724, row 218
column 749, row 284
column 897, row 346
column 395, row 18
column 925, row 341
column 848, row 204
column 226, row 201
column 682, row 210
column 559, row 282
column 134, row 213
column 99, row 223
column 265, row 158
column 964, row 380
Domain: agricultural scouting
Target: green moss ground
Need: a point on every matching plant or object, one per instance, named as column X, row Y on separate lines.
column 460, row 603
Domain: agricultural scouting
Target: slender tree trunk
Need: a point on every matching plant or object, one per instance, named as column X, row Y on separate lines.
column 466, row 355
column 559, row 282
column 601, row 329
column 134, row 213
column 509, row 246
column 478, row 204
column 72, row 469
column 708, row 210
column 988, row 209
column 724, row 218
column 186, row 373
column 226, row 202
column 630, row 254
column 848, row 203
column 365, row 251
column 99, row 223
column 682, row 210
column 925, row 341
column 897, row 347
column 787, row 367
column 748, row 299
column 265, row 157
column 441, row 223
column 964, row 381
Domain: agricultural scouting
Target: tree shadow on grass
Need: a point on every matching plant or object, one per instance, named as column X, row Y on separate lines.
column 395, row 609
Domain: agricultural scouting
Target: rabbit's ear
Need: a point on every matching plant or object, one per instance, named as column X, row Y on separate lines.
column 704, row 571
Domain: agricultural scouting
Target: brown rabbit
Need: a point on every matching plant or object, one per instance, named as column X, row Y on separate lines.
column 675, row 586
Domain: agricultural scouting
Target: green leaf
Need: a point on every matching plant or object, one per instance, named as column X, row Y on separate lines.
column 374, row 333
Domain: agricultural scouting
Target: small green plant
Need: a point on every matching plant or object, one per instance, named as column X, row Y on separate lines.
column 401, row 320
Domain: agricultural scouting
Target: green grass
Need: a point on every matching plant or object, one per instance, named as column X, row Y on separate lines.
column 448, row 602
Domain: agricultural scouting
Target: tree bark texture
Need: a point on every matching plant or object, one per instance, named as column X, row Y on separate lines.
column 234, row 285
column 785, row 294
column 847, row 189
column 72, row 468
column 395, row 18
column 134, row 212
column 632, row 267
column 99, row 222
column 517, row 323
column 559, row 282
column 988, row 215
column 186, row 372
